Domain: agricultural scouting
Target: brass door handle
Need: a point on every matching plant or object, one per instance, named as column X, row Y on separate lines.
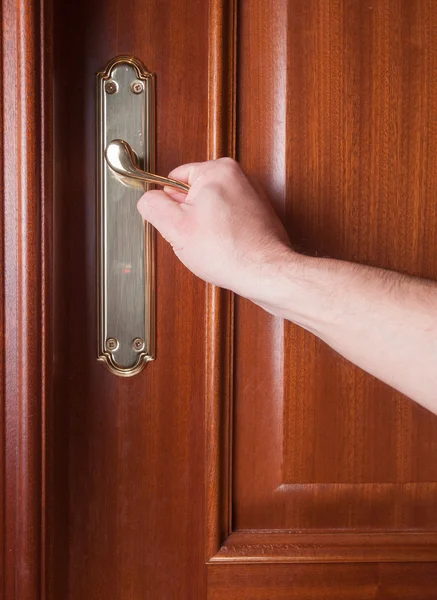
column 122, row 160
column 126, row 282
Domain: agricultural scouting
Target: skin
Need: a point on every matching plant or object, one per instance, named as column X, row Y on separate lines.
column 227, row 233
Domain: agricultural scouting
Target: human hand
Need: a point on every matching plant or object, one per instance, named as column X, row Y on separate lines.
column 223, row 230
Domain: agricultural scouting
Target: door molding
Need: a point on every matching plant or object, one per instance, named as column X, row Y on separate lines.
column 222, row 89
column 27, row 200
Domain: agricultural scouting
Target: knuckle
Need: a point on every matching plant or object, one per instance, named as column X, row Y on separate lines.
column 229, row 162
column 230, row 165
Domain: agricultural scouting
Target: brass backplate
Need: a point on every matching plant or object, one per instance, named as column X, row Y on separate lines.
column 125, row 244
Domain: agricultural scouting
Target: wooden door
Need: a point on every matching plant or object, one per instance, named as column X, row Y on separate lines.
column 249, row 461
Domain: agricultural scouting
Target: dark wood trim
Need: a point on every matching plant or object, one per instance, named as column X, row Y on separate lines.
column 48, row 498
column 219, row 303
column 222, row 80
column 24, row 207
column 2, row 334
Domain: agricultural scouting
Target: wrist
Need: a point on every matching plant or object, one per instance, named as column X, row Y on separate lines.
column 297, row 288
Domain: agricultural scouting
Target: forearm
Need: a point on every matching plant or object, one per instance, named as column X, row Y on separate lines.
column 225, row 232
column 382, row 321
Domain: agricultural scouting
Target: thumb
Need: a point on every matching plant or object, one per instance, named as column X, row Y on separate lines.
column 162, row 212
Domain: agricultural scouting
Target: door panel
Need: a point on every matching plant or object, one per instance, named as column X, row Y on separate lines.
column 341, row 97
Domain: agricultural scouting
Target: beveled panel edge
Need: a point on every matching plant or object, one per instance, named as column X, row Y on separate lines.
column 222, row 85
column 261, row 546
column 148, row 354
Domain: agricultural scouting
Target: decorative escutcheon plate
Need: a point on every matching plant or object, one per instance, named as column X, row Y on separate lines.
column 126, row 262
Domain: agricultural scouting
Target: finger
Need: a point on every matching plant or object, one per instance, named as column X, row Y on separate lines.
column 162, row 212
column 187, row 173
column 175, row 194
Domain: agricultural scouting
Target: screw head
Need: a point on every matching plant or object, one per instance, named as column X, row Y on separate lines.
column 137, row 87
column 111, row 87
column 111, row 344
column 138, row 344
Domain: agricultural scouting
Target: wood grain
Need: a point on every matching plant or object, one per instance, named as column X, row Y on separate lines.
column 133, row 450
column 327, row 582
column 259, row 338
column 360, row 179
column 51, row 498
column 23, row 196
column 125, row 488
column 337, row 120
column 219, row 303
column 2, row 341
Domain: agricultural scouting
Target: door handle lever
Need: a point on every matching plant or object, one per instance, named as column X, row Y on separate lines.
column 123, row 161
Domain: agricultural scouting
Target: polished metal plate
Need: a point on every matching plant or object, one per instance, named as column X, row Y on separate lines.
column 126, row 278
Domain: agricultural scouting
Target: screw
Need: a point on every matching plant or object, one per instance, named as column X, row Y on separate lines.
column 138, row 344
column 111, row 344
column 137, row 87
column 111, row 87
